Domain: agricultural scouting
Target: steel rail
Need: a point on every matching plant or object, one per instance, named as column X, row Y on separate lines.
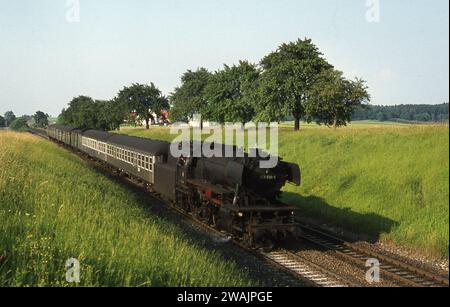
column 395, row 269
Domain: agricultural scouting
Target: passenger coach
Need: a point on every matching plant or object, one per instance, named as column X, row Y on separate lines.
column 135, row 156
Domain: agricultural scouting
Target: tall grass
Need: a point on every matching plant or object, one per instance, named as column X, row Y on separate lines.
column 52, row 207
column 387, row 182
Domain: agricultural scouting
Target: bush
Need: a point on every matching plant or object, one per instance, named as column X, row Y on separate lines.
column 19, row 124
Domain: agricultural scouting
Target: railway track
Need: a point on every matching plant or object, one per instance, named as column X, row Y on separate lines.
column 301, row 268
column 398, row 271
column 309, row 273
column 313, row 274
column 298, row 267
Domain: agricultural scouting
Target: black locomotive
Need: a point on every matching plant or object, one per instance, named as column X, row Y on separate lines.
column 232, row 194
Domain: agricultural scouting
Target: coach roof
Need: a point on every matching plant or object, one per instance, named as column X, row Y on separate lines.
column 140, row 144
column 79, row 131
column 62, row 127
column 97, row 135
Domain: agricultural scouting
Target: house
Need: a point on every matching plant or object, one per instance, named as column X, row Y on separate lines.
column 157, row 120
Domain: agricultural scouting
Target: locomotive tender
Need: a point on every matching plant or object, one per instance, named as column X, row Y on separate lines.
column 232, row 194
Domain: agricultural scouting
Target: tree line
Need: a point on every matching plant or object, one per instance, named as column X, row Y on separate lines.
column 406, row 113
column 295, row 80
column 138, row 101
column 38, row 120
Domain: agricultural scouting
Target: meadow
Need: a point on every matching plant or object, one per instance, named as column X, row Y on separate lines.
column 53, row 207
column 385, row 182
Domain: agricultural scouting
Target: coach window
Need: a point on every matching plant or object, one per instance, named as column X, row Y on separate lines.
column 147, row 164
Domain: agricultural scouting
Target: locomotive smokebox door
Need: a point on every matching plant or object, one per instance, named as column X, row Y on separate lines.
column 235, row 172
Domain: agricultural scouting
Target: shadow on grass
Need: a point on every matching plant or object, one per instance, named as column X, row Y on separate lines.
column 352, row 225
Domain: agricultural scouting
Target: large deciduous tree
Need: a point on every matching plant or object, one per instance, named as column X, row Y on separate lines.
column 85, row 112
column 145, row 100
column 334, row 99
column 41, row 119
column 189, row 99
column 82, row 112
column 288, row 76
column 19, row 124
column 229, row 93
column 110, row 114
column 2, row 122
column 9, row 118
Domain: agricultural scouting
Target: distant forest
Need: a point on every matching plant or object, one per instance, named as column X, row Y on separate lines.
column 404, row 113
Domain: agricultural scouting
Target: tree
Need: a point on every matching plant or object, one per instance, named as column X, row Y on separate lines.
column 334, row 99
column 382, row 117
column 189, row 99
column 82, row 113
column 287, row 77
column 19, row 124
column 144, row 100
column 230, row 93
column 111, row 114
column 2, row 122
column 9, row 118
column 116, row 113
column 423, row 117
column 41, row 119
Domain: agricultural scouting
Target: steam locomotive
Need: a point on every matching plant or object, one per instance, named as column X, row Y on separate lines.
column 232, row 194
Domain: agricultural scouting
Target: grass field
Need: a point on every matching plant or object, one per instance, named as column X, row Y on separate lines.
column 388, row 182
column 53, row 207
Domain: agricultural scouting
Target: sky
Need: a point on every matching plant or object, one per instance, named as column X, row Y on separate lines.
column 49, row 53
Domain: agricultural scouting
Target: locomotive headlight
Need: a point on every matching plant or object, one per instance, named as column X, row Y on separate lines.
column 240, row 214
column 292, row 213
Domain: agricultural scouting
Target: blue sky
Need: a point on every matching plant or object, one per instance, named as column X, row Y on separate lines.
column 45, row 60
